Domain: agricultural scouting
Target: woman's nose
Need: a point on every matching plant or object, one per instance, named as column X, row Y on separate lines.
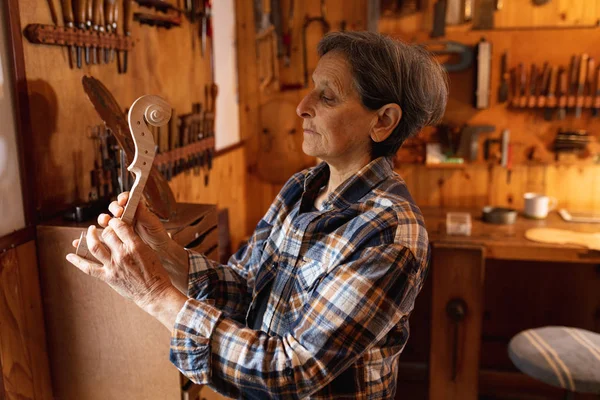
column 305, row 108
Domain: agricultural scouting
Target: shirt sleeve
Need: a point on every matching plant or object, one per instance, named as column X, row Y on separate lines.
column 228, row 287
column 353, row 307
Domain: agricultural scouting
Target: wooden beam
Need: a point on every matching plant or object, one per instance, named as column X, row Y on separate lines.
column 22, row 111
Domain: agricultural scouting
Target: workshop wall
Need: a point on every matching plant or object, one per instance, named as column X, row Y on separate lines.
column 163, row 62
column 563, row 29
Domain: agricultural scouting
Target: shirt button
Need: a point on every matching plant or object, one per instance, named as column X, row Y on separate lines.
column 288, row 372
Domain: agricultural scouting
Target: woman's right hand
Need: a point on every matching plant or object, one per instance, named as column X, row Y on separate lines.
column 147, row 224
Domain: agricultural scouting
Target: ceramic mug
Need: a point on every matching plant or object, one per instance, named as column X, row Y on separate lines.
column 538, row 205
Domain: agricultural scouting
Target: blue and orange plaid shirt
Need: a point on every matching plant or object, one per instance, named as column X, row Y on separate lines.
column 344, row 281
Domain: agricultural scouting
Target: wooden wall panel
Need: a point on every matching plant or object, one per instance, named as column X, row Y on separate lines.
column 163, row 62
column 226, row 188
column 23, row 354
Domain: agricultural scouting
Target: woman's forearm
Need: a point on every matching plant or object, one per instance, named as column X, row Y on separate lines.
column 175, row 261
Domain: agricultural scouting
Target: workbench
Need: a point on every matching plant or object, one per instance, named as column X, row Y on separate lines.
column 458, row 274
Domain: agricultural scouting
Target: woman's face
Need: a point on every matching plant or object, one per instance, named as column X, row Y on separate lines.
column 336, row 124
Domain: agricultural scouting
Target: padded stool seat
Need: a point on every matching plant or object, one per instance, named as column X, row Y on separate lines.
column 560, row 356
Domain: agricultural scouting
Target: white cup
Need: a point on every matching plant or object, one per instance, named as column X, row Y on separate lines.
column 538, row 205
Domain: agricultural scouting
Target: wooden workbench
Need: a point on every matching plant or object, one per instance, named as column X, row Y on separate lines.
column 458, row 273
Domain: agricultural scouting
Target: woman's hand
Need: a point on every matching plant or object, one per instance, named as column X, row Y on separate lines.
column 153, row 233
column 132, row 269
column 147, row 224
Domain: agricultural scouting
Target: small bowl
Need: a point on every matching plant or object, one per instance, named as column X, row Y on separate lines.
column 499, row 215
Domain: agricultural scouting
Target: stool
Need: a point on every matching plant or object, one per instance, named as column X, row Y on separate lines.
column 560, row 356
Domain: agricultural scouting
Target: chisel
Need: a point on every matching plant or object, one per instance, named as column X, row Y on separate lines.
column 563, row 87
column 503, row 90
column 581, row 84
column 551, row 98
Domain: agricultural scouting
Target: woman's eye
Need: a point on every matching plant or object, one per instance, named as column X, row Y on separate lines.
column 327, row 99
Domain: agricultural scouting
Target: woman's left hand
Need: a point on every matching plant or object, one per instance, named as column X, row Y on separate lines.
column 129, row 265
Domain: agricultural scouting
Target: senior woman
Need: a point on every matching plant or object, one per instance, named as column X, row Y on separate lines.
column 316, row 304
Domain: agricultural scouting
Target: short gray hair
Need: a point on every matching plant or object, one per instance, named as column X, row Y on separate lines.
column 391, row 71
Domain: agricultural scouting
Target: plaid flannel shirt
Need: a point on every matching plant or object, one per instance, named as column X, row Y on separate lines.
column 344, row 278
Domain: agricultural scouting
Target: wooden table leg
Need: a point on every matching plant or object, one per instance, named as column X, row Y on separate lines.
column 457, row 313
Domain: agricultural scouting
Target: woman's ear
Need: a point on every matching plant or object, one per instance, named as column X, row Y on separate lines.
column 388, row 118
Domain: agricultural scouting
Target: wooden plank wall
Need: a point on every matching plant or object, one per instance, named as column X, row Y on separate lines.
column 23, row 355
column 253, row 101
column 480, row 183
column 163, row 62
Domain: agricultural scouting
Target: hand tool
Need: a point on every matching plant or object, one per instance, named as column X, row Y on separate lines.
column 202, row 27
column 110, row 7
column 266, row 45
column 321, row 20
column 287, row 36
column 483, row 14
column 160, row 5
column 596, row 108
column 454, row 12
column 484, row 59
column 115, row 24
column 589, row 83
column 160, row 21
column 89, row 11
column 581, row 84
column 503, row 89
column 542, row 89
column 126, row 31
column 516, row 87
column 465, row 53
column 469, row 143
column 80, row 13
column 523, row 85
column 563, row 88
column 550, row 95
column 101, row 28
column 572, row 90
column 439, row 19
column 373, row 13
column 53, row 14
column 97, row 6
column 533, row 77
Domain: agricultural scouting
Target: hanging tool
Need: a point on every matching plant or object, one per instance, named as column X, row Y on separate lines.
column 79, row 13
column 122, row 66
column 550, row 94
column 484, row 59
column 542, row 89
column 287, row 36
column 373, row 13
column 596, row 107
column 439, row 19
column 573, row 82
column 464, row 52
column 589, row 84
column 160, row 21
column 533, row 77
column 483, row 15
column 322, row 20
column 469, row 140
column 67, row 12
column 97, row 4
column 53, row 14
column 523, row 85
column 266, row 45
column 110, row 7
column 115, row 25
column 503, row 89
column 581, row 84
column 88, row 27
column 563, row 93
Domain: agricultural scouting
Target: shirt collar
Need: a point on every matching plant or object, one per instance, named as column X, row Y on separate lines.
column 351, row 190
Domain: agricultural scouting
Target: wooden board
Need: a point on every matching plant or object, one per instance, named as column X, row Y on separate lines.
column 23, row 354
column 102, row 346
column 456, row 273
